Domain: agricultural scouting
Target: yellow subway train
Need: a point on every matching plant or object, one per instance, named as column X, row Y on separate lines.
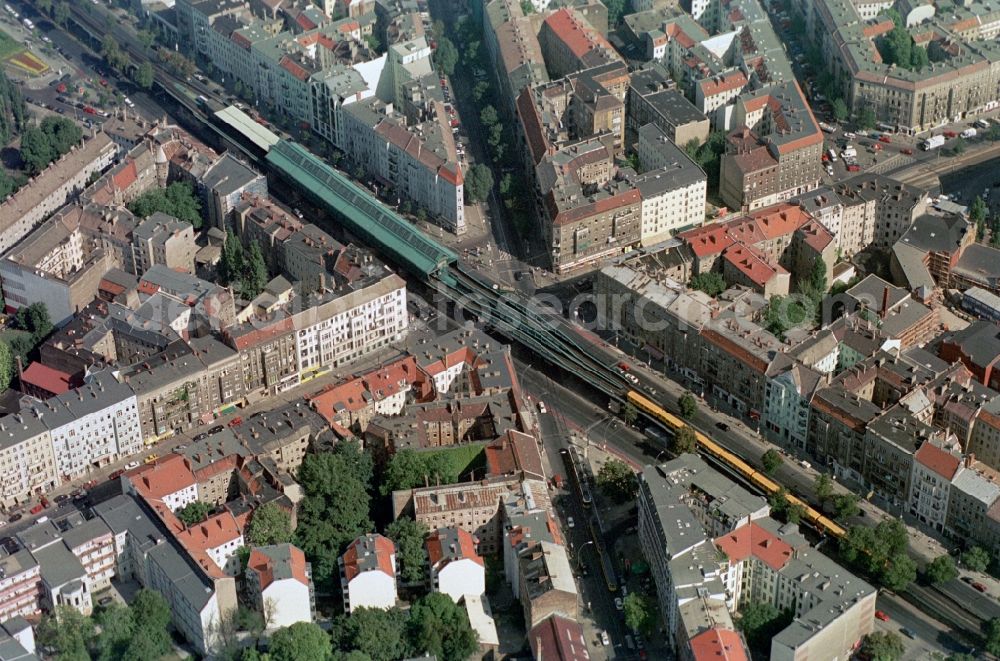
column 710, row 447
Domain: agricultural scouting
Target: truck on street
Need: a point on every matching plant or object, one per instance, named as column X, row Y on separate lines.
column 932, row 143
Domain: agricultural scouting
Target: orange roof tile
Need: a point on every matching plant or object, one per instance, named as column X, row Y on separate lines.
column 751, row 540
column 450, row 544
column 579, row 37
column 215, row 531
column 361, row 549
column 727, row 82
column 943, row 463
column 718, row 644
column 46, row 378
column 263, row 565
column 165, row 476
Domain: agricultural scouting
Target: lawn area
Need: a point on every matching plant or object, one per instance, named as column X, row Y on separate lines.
column 460, row 460
column 8, row 46
column 7, row 334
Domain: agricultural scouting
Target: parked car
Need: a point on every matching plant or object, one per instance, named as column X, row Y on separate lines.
column 619, row 604
column 570, row 523
column 722, row 426
column 151, row 458
column 907, row 151
column 881, row 616
column 886, row 139
column 978, row 586
column 116, row 474
column 104, row 601
column 62, row 498
column 215, row 430
column 949, row 134
column 132, row 464
column 15, row 517
column 605, row 640
column 236, row 422
column 37, row 508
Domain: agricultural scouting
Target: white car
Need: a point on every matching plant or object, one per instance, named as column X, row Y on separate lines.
column 570, row 523
column 541, row 407
column 619, row 604
column 605, row 640
column 132, row 464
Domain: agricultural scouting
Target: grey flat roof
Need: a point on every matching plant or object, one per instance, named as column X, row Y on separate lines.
column 59, row 565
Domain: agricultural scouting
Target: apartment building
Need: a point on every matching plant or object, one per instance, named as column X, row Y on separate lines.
column 511, row 41
column 939, row 250
column 934, row 469
column 21, row 585
column 672, row 187
column 973, row 505
column 27, row 460
column 368, row 573
column 962, row 84
column 279, row 581
column 977, row 346
column 455, row 568
column 91, row 426
column 767, row 562
column 164, row 240
column 48, row 191
column 559, row 638
column 569, row 43
column 223, row 186
column 146, row 551
column 787, row 396
column 653, row 99
column 675, row 523
column 776, row 154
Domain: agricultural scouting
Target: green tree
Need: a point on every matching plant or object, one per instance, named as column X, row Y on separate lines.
column 866, row 119
column 478, row 183
column 36, row 150
column 795, row 512
column 823, row 487
column 883, row 646
column 302, row 640
column 254, row 272
column 269, row 524
column 408, row 469
column 527, row 8
column 67, row 631
column 6, row 366
column 840, row 111
column 480, row 90
column 44, row 6
column 977, row 214
column 194, row 513
column 760, row 621
column 900, row 571
column 617, row 480
column 488, row 116
column 685, row 440
column 977, row 559
column 711, row 283
column 117, row 629
column 379, row 634
column 35, row 319
column 958, row 146
column 845, row 505
column 616, row 10
column 440, row 627
column 639, row 613
column 817, row 276
column 993, row 636
column 335, row 509
column 941, row 570
column 151, row 625
column 177, row 200
column 145, row 37
column 144, row 75
column 231, row 261
column 688, row 405
column 408, row 536
column 61, row 13
column 446, row 56
column 771, row 461
column 630, row 413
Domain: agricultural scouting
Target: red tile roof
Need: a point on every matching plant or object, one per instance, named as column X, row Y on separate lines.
column 263, row 565
column 381, row 547
column 727, row 82
column 558, row 638
column 751, row 540
column 514, row 452
column 213, row 532
column 578, row 36
column 708, row 240
column 47, row 379
column 125, row 176
column 163, row 477
column 751, row 264
column 439, row 551
column 941, row 462
column 718, row 644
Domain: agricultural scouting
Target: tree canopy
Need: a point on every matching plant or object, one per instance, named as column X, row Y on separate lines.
column 34, row 319
column 336, row 507
column 440, row 627
column 13, row 111
column 269, row 524
column 194, row 513
column 685, row 440
column 617, row 480
column 941, row 570
column 881, row 553
column 446, row 56
column 302, row 640
column 378, row 633
column 711, row 283
column 976, row 558
column 177, row 200
column 688, row 405
column 42, row 144
column 883, row 646
column 771, row 460
column 478, row 183
column 640, row 612
column 408, row 536
column 760, row 622
column 993, row 636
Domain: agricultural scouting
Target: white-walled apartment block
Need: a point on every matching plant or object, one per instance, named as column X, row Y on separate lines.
column 455, row 567
column 368, row 573
column 27, row 462
column 672, row 186
column 169, row 480
column 280, row 583
column 91, row 426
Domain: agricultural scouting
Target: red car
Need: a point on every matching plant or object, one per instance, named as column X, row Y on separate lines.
column 61, row 88
column 907, row 151
column 884, row 138
column 118, row 473
column 853, row 168
column 623, row 366
column 104, row 82
column 89, row 110
column 881, row 616
column 37, row 508
column 949, row 134
column 979, row 586
column 236, row 422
